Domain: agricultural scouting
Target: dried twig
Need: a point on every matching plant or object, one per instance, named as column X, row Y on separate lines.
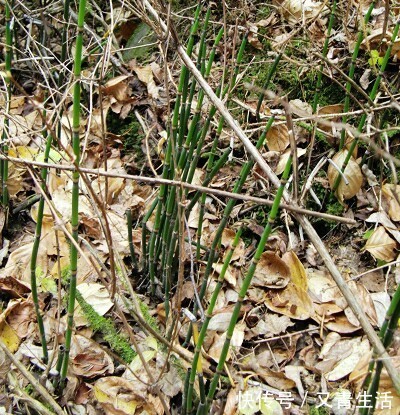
column 32, row 380
column 202, row 189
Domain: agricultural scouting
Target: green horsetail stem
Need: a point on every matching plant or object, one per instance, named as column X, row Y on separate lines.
column 324, row 53
column 372, row 96
column 130, row 239
column 266, row 83
column 168, row 158
column 76, row 118
column 225, row 217
column 7, row 78
column 245, row 285
column 386, row 333
column 35, row 250
column 186, row 105
column 188, row 402
column 352, row 70
column 146, row 217
column 170, row 232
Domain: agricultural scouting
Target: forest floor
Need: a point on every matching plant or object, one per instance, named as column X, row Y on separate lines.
column 329, row 79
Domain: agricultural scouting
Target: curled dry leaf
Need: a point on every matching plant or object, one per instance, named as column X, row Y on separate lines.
column 145, row 75
column 392, row 195
column 117, row 88
column 292, row 301
column 381, row 246
column 253, row 38
column 297, row 272
column 352, row 173
column 355, row 349
column 88, row 359
column 278, row 138
column 271, row 272
column 117, row 396
column 285, row 157
column 295, row 10
column 95, row 295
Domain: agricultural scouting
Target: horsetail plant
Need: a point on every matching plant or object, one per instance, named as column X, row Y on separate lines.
column 245, row 285
column 324, row 53
column 244, row 173
column 7, row 79
column 35, row 249
column 372, row 97
column 168, row 158
column 76, row 118
column 352, row 70
column 187, row 403
column 386, row 333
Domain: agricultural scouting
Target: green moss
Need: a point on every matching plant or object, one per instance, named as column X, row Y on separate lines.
column 335, row 208
column 314, row 410
column 150, row 320
column 105, row 326
column 131, row 134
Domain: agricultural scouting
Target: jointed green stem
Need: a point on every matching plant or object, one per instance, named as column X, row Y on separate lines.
column 188, row 403
column 7, row 78
column 76, row 118
column 35, row 249
column 247, row 280
column 372, row 96
column 352, row 70
column 324, row 53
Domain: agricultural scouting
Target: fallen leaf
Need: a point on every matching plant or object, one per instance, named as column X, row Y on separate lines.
column 392, row 195
column 352, row 173
column 271, row 272
column 381, row 245
column 292, row 301
column 145, row 75
column 97, row 296
column 88, row 359
column 277, row 138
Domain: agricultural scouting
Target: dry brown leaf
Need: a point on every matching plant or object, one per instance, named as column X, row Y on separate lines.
column 97, row 296
column 292, row 301
column 392, row 195
column 345, row 365
column 381, row 245
column 285, row 157
column 278, row 138
column 117, row 396
column 12, row 287
column 341, row 324
column 117, row 88
column 298, row 274
column 352, row 173
column 230, row 273
column 322, row 288
column 271, row 272
column 297, row 10
column 88, row 359
column 253, row 38
column 145, row 75
column 276, row 324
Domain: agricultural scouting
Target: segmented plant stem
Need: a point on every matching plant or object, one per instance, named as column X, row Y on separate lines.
column 352, row 69
column 372, row 96
column 324, row 53
column 7, row 78
column 35, row 250
column 76, row 119
column 246, row 282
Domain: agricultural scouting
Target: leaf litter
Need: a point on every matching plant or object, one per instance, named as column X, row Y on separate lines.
column 295, row 332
